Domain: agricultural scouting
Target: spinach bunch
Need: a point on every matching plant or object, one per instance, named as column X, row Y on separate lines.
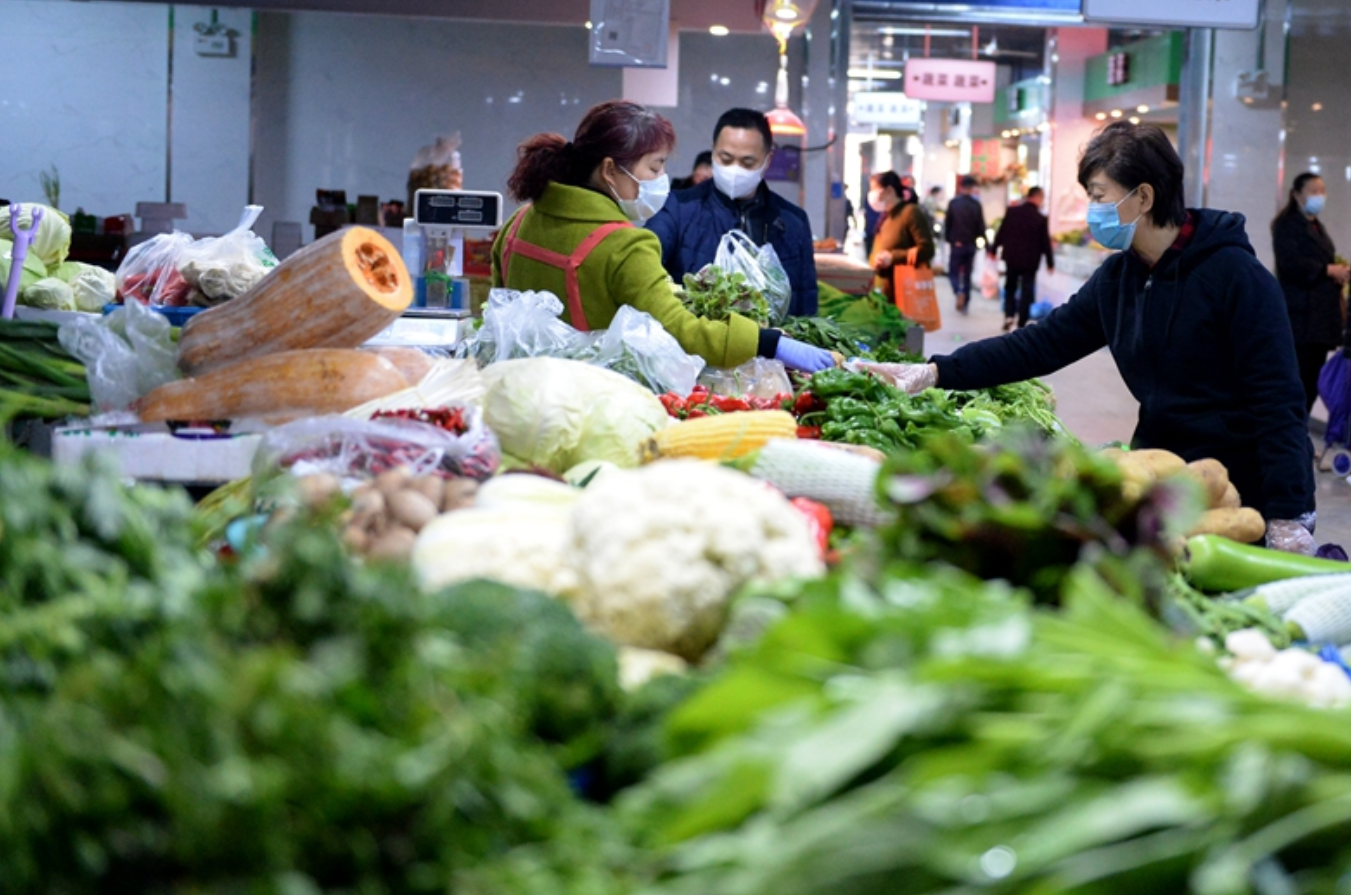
column 715, row 294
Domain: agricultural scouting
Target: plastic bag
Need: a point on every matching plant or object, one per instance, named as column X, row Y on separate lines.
column 526, row 324
column 436, row 167
column 760, row 265
column 636, row 345
column 149, row 273
column 220, row 268
column 989, row 280
column 523, row 324
column 350, row 448
column 758, row 377
column 126, row 354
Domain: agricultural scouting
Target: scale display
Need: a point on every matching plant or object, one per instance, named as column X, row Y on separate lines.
column 460, row 209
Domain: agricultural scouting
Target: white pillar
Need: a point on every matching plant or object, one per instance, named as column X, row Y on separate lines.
column 1068, row 50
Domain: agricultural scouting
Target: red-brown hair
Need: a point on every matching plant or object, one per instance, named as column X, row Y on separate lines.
column 617, row 129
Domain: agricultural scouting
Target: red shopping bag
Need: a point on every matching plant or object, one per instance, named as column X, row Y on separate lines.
column 916, row 297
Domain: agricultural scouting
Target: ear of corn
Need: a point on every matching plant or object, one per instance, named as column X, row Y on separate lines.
column 725, row 437
column 1279, row 597
column 844, row 482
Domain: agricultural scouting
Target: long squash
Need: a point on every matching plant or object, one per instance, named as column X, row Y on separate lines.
column 334, row 293
column 285, row 384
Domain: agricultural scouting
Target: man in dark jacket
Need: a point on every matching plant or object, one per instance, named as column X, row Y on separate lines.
column 1024, row 236
column 963, row 224
column 736, row 198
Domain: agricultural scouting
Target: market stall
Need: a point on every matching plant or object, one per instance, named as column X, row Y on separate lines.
column 569, row 613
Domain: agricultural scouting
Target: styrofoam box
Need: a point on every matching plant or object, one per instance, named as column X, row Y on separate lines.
column 153, row 454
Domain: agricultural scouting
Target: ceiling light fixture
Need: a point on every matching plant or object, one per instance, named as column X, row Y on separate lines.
column 932, row 32
column 873, row 74
column 719, row 30
column 1142, row 109
column 1116, row 113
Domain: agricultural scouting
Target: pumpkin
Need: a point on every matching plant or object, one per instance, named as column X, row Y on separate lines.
column 335, row 293
column 286, row 384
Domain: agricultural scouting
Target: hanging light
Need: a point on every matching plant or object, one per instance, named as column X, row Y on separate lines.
column 782, row 121
column 784, row 11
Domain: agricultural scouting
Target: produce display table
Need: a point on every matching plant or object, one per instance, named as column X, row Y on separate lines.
column 152, row 453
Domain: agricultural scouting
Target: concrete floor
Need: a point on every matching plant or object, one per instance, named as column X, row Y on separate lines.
column 1094, row 404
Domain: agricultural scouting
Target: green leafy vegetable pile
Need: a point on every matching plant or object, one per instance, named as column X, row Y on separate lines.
column 1020, row 509
column 856, row 408
column 922, row 732
column 290, row 722
column 714, row 294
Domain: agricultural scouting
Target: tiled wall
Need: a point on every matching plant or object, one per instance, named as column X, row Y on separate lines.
column 84, row 89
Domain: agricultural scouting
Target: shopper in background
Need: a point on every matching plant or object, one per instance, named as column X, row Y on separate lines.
column 963, row 224
column 1024, row 238
column 1307, row 268
column 904, row 236
column 737, row 198
column 703, row 170
column 576, row 238
column 1197, row 327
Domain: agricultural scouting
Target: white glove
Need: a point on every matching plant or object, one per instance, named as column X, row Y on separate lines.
column 1290, row 536
column 910, row 378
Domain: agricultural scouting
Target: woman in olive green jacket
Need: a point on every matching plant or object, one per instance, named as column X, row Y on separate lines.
column 577, row 237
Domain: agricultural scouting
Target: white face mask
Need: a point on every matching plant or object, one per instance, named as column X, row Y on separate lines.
column 651, row 197
column 876, row 202
column 736, row 182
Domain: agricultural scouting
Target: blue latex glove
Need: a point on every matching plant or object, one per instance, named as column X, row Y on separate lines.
column 801, row 356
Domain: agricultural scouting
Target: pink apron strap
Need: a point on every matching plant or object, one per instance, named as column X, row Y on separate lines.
column 569, row 264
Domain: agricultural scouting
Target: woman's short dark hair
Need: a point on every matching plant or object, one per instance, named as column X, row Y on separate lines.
column 618, row 129
column 1292, row 205
column 884, row 179
column 1132, row 154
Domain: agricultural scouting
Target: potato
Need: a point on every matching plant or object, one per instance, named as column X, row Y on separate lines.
column 1244, row 524
column 459, row 494
column 354, row 537
column 396, row 543
column 368, row 508
column 431, row 487
column 1161, row 463
column 1231, row 500
column 318, row 489
column 412, row 508
column 392, row 480
column 1213, row 477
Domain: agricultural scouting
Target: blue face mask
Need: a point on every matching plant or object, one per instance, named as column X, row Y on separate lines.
column 1105, row 224
column 1314, row 205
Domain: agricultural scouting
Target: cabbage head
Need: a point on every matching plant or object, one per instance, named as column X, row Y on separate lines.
column 555, row 413
column 33, row 269
column 49, row 294
column 51, row 243
column 93, row 286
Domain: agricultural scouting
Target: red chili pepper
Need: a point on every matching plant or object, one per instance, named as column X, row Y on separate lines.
column 729, row 405
column 819, row 520
column 805, row 403
column 696, row 412
column 809, row 432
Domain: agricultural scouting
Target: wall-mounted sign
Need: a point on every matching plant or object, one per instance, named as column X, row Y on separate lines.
column 630, row 32
column 1175, row 13
column 950, row 80
column 888, row 108
column 1118, row 69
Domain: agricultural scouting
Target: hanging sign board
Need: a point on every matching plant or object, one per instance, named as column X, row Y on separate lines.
column 630, row 33
column 1175, row 13
column 888, row 108
column 950, row 80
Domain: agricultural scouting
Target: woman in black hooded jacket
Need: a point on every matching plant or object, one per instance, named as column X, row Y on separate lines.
column 1196, row 325
column 1310, row 277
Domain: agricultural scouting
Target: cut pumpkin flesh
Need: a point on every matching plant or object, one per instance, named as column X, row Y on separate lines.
column 288, row 383
column 334, row 293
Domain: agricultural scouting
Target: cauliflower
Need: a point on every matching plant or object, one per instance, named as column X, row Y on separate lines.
column 659, row 551
column 522, row 548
